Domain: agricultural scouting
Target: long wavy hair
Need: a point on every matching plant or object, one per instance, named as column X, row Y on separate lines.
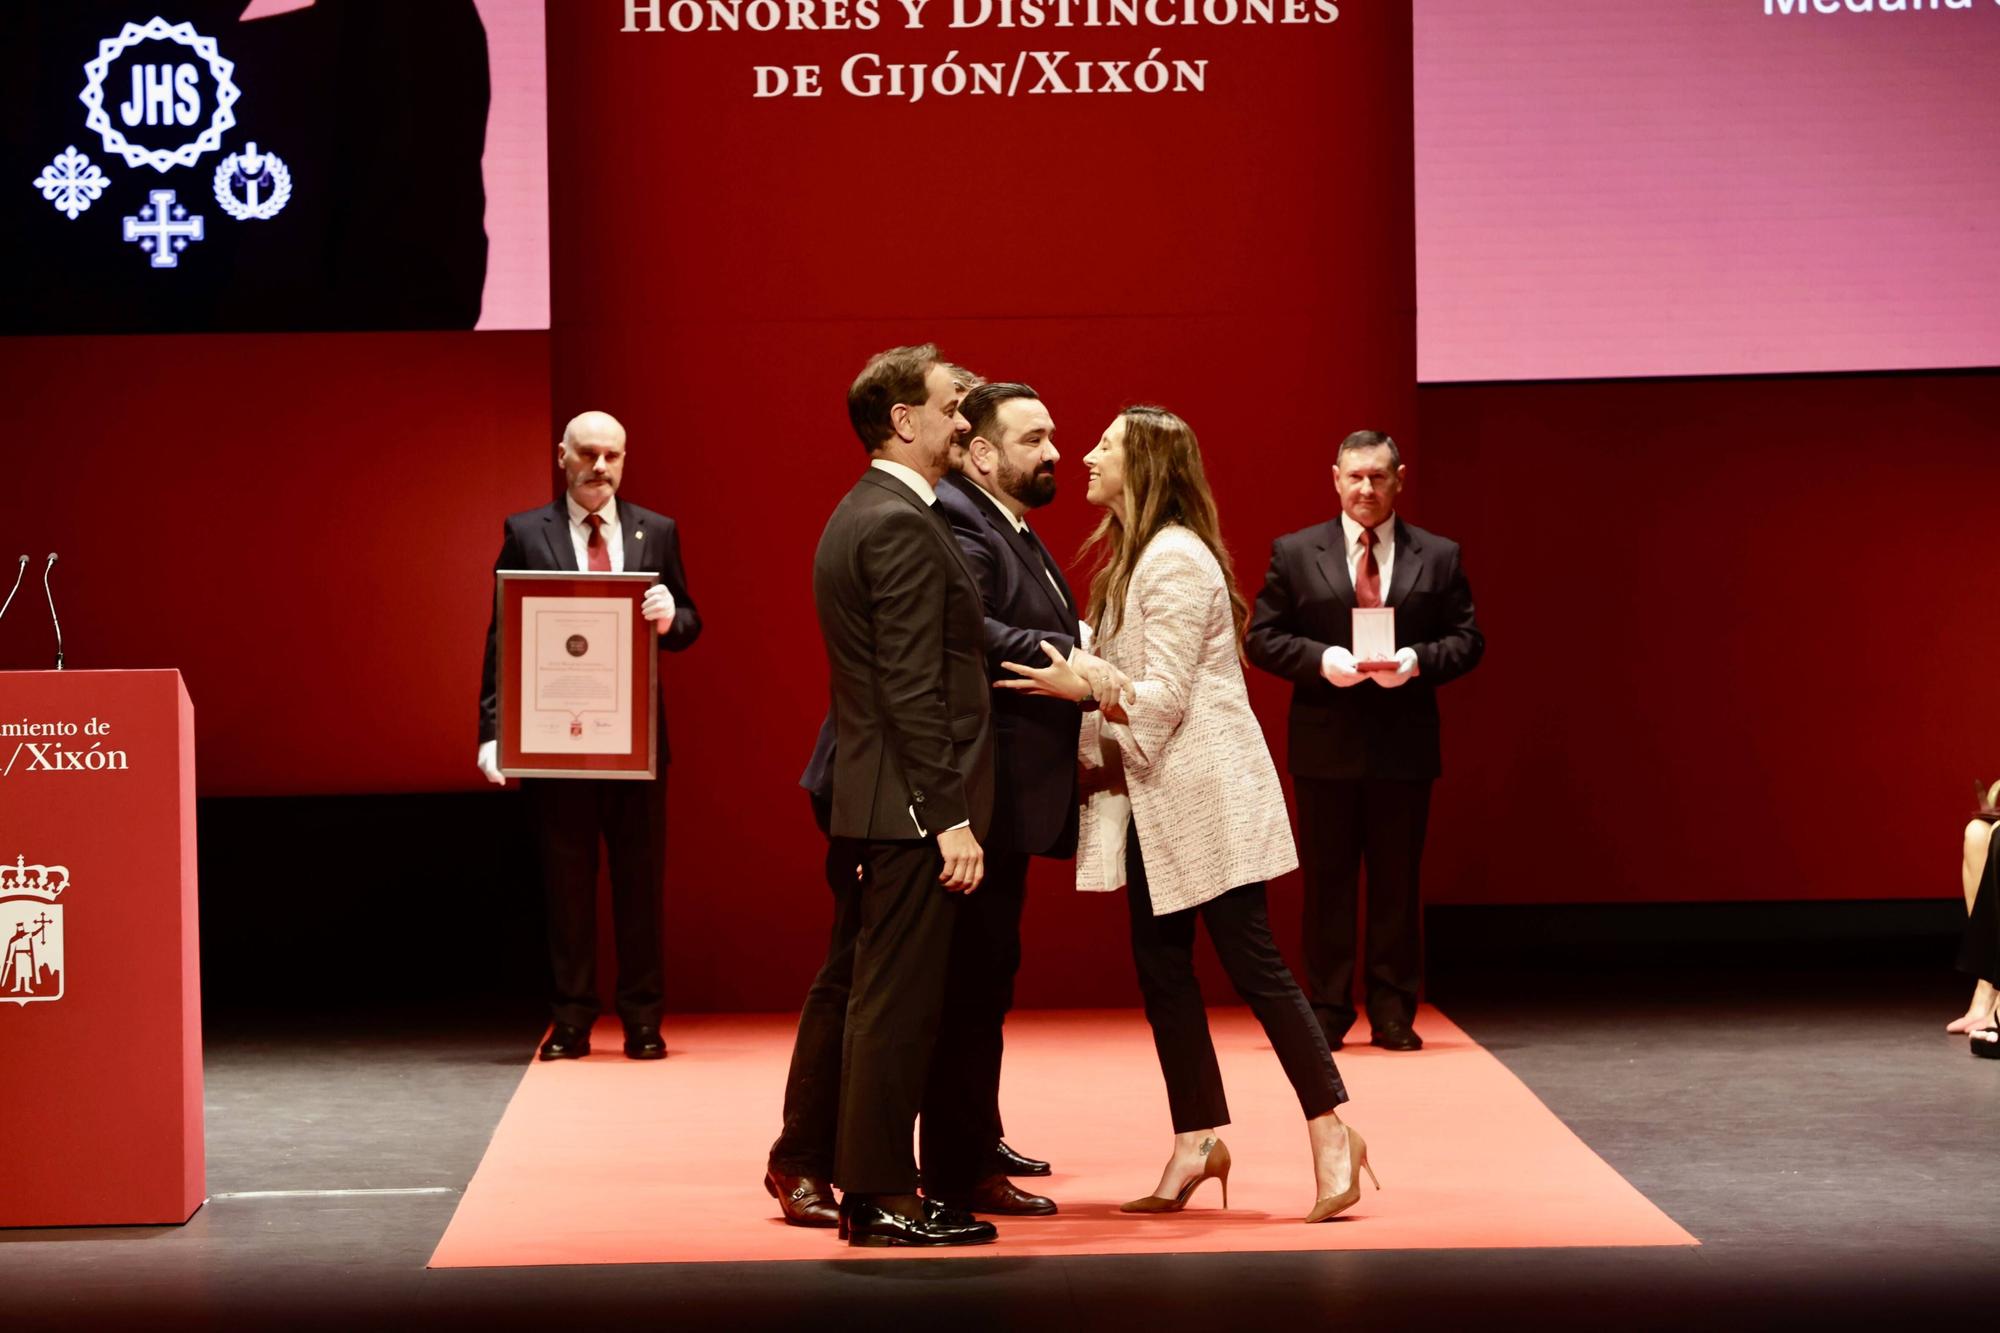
column 1164, row 483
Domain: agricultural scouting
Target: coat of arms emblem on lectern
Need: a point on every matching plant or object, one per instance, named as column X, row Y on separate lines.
column 31, row 931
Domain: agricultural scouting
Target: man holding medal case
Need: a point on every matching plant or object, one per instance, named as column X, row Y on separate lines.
column 1366, row 615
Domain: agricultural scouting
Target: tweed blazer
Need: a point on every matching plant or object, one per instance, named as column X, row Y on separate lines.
column 1190, row 765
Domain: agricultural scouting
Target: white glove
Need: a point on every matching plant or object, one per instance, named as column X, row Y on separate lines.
column 658, row 608
column 1406, row 667
column 1338, row 666
column 489, row 763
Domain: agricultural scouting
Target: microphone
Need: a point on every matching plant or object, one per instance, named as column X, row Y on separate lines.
column 19, row 574
column 53, row 618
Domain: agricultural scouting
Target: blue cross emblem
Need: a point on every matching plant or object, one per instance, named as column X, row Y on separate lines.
column 163, row 229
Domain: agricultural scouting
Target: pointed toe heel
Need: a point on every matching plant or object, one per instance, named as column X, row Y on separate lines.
column 1333, row 1205
column 1215, row 1166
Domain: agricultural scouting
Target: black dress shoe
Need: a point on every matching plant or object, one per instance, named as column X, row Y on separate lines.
column 997, row 1194
column 1010, row 1163
column 565, row 1043
column 864, row 1224
column 642, row 1042
column 1396, row 1037
column 806, row 1201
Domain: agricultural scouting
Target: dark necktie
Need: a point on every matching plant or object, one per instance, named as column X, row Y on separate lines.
column 599, row 554
column 1049, row 564
column 1368, row 575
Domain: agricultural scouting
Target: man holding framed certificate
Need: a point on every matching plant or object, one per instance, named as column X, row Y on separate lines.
column 1366, row 615
column 588, row 590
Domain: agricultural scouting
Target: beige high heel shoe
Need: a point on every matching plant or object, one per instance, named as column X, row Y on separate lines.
column 1216, row 1165
column 1357, row 1161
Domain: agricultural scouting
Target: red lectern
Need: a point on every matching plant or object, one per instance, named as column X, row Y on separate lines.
column 100, row 977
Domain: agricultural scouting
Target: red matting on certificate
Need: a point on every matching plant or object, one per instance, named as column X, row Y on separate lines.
column 612, row 1161
column 640, row 757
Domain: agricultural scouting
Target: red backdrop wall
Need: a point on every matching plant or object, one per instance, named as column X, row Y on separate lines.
column 1244, row 255
column 1740, row 639
column 302, row 525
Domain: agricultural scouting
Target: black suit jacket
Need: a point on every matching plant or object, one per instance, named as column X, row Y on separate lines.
column 1364, row 731
column 1034, row 753
column 904, row 630
column 539, row 539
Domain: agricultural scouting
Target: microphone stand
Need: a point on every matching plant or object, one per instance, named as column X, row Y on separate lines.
column 19, row 574
column 54, row 619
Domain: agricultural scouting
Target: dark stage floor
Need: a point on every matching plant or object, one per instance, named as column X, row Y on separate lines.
column 1834, row 1150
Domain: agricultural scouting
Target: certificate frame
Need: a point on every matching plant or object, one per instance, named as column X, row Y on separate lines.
column 637, row 671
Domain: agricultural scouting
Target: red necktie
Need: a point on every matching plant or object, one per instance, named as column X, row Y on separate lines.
column 599, row 553
column 1368, row 575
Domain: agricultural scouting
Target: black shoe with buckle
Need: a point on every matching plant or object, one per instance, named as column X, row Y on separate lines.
column 805, row 1200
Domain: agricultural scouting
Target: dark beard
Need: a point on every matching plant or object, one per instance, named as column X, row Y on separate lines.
column 1033, row 489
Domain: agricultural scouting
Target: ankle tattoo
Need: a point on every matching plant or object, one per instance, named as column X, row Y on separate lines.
column 1206, row 1144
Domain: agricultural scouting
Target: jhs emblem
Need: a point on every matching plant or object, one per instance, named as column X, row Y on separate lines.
column 162, row 66
column 251, row 184
column 31, row 931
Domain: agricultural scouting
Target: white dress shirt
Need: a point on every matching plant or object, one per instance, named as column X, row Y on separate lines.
column 579, row 533
column 909, row 476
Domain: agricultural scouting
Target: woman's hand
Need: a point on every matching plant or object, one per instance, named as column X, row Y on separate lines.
column 1057, row 680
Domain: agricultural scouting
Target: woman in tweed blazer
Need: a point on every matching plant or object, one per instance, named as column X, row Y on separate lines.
column 1181, row 799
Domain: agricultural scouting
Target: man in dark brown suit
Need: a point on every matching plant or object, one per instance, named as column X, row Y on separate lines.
column 912, row 780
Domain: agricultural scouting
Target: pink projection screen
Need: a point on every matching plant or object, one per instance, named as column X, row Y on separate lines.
column 1703, row 187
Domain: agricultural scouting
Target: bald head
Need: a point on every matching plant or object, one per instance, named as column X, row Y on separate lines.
column 592, row 457
column 596, row 426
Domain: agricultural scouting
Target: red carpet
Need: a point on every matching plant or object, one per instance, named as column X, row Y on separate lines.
column 608, row 1161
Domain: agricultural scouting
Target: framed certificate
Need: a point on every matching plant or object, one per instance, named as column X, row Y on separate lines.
column 579, row 675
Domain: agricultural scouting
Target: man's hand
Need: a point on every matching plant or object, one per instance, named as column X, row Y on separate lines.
column 964, row 862
column 1337, row 664
column 658, row 608
column 489, row 763
column 1406, row 667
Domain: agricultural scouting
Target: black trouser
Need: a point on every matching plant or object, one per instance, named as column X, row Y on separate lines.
column 1239, row 926
column 964, row 1083
column 570, row 815
column 901, row 921
column 1341, row 825
column 1979, row 953
column 805, row 1145
column 962, row 1100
